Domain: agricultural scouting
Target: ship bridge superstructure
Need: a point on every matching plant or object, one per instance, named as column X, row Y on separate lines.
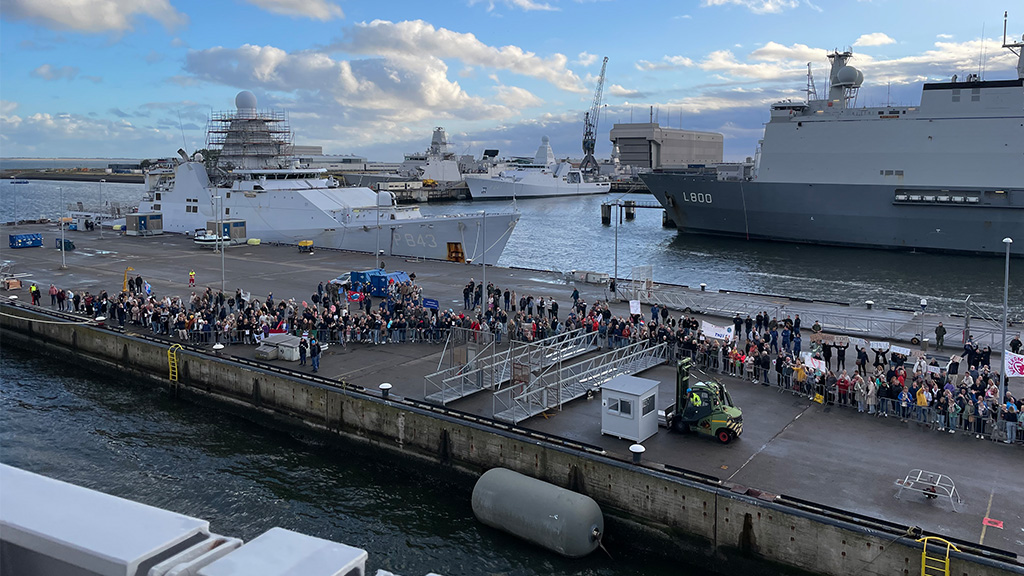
column 248, row 138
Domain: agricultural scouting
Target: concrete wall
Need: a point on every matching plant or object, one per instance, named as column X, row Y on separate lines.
column 727, row 528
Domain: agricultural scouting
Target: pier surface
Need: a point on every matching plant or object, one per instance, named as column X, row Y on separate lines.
column 790, row 445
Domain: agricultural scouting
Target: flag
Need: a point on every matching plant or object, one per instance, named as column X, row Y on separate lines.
column 355, row 296
column 1013, row 364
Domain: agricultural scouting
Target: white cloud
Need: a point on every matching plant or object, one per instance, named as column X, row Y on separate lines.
column 944, row 36
column 585, row 59
column 394, row 90
column 666, row 63
column 622, row 92
column 526, row 5
column 412, row 39
column 775, row 52
column 92, row 16
column 757, row 6
column 6, row 107
column 874, row 39
column 47, row 72
column 517, row 98
column 315, row 9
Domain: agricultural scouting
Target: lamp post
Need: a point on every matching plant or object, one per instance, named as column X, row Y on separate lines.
column 377, row 251
column 220, row 236
column 1006, row 287
column 483, row 261
column 924, row 304
column 63, row 252
column 103, row 184
column 615, row 276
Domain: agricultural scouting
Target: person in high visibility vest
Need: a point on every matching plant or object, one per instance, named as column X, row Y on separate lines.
column 695, row 399
column 191, row 278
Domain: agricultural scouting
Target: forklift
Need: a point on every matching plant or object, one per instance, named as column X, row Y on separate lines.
column 704, row 407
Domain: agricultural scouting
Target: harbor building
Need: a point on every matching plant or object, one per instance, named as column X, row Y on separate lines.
column 649, row 145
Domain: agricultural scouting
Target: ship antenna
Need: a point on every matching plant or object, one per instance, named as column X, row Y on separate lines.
column 181, row 127
column 981, row 50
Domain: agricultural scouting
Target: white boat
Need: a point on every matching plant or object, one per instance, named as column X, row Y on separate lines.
column 252, row 179
column 545, row 177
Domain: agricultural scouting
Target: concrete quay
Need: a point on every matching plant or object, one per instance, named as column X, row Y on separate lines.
column 790, row 446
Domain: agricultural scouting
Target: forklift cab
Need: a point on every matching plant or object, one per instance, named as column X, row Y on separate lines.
column 700, row 403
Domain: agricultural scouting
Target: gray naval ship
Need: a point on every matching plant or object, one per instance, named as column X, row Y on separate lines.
column 945, row 176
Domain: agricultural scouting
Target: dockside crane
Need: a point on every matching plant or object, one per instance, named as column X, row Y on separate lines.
column 590, row 120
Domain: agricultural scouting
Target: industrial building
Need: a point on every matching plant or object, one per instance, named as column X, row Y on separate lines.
column 648, row 145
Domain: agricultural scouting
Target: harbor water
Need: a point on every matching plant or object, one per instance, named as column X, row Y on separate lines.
column 101, row 431
column 566, row 234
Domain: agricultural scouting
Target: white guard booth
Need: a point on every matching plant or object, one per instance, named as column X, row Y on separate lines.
column 629, row 408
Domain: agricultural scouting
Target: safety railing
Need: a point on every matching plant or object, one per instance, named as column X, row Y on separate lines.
column 556, row 387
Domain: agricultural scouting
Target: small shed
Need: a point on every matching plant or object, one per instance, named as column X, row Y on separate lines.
column 286, row 344
column 144, row 224
column 629, row 408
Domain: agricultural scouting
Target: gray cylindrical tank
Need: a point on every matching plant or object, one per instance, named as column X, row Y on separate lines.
column 553, row 517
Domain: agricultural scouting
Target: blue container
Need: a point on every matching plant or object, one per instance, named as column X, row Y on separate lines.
column 26, row 240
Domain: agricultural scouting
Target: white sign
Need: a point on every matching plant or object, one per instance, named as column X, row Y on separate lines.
column 934, row 369
column 717, row 332
column 901, row 350
column 862, row 343
column 634, row 307
column 812, row 362
column 879, row 345
column 1013, row 364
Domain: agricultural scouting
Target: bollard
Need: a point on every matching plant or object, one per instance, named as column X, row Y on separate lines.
column 869, row 304
column 637, row 451
column 630, row 206
column 703, row 287
column 924, row 344
column 384, row 389
column 606, row 214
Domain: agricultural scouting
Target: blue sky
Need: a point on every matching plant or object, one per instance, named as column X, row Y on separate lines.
column 133, row 78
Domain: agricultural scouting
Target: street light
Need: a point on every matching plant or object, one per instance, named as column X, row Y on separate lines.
column 1006, row 288
column 220, row 238
column 103, row 183
column 64, row 251
column 377, row 251
column 483, row 261
column 615, row 277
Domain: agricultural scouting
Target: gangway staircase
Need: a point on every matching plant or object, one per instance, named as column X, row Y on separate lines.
column 488, row 372
column 559, row 385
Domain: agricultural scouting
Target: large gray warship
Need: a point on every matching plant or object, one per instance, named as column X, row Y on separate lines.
column 946, row 176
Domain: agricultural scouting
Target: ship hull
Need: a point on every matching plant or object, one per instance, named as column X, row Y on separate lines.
column 489, row 188
column 869, row 216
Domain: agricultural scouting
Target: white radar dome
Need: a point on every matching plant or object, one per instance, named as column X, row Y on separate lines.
column 544, row 139
column 245, row 100
column 849, row 76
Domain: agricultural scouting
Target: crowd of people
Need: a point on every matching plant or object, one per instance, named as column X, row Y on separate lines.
column 764, row 349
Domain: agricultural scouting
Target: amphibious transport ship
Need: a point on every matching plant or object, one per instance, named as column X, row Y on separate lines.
column 947, row 175
column 253, row 179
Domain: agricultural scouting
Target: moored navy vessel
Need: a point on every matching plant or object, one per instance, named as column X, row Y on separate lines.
column 254, row 177
column 946, row 175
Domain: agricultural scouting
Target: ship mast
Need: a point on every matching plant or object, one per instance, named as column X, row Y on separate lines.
column 1016, row 47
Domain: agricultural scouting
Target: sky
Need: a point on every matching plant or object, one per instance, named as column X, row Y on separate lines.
column 139, row 78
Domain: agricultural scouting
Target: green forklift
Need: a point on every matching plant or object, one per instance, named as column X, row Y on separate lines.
column 704, row 407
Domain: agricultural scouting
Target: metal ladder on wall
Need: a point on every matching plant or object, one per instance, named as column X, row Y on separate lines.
column 936, row 564
column 172, row 362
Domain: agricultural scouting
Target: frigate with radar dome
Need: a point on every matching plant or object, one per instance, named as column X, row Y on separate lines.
column 946, row 175
column 545, row 177
column 253, row 178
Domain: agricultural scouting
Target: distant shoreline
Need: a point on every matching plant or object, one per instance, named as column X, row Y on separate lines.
column 71, row 175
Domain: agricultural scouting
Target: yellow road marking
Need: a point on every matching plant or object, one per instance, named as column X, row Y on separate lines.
column 987, row 510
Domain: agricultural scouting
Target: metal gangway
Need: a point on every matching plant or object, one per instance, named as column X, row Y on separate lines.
column 931, row 484
column 555, row 387
column 489, row 371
